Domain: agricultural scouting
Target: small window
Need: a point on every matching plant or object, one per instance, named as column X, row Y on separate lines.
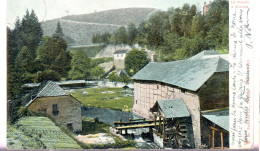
column 183, row 91
column 55, row 110
column 157, row 86
column 135, row 101
column 69, row 126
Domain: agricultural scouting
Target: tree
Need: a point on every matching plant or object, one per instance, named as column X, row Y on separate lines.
column 24, row 60
column 97, row 72
column 121, row 36
column 30, row 31
column 53, row 55
column 58, row 32
column 80, row 66
column 131, row 33
column 135, row 60
column 113, row 77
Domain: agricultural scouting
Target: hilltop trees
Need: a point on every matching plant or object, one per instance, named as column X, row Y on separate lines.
column 179, row 33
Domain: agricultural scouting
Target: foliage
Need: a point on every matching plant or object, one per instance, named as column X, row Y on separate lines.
column 113, row 77
column 80, row 66
column 135, row 60
column 91, row 51
column 95, row 98
column 53, row 55
column 58, row 32
column 97, row 72
column 92, row 127
column 182, row 32
column 126, row 79
column 22, row 43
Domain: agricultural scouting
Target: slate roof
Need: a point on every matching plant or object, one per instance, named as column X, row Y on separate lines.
column 220, row 118
column 45, row 89
column 189, row 74
column 121, row 51
column 174, row 108
column 204, row 53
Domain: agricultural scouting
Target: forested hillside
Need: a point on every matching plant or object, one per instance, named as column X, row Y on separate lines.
column 177, row 33
column 79, row 29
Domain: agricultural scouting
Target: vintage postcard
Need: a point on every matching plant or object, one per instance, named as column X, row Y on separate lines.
column 131, row 74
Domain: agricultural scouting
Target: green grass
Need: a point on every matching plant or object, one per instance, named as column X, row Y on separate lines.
column 95, row 98
column 45, row 131
column 90, row 51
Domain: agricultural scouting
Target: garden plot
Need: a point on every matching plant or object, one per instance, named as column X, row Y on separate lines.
column 47, row 132
column 16, row 139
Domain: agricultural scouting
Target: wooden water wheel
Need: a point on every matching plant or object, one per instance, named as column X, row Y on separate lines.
column 177, row 134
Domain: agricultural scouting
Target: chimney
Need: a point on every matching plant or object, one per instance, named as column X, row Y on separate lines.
column 153, row 57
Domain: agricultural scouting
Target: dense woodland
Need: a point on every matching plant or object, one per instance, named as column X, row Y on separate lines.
column 175, row 34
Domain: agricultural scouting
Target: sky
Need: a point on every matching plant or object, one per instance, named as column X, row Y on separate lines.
column 51, row 9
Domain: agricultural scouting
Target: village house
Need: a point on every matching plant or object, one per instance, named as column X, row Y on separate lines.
column 49, row 98
column 198, row 83
column 119, row 59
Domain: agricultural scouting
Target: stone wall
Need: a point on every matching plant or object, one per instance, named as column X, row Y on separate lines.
column 147, row 93
column 69, row 110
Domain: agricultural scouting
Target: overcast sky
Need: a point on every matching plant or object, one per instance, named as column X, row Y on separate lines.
column 50, row 9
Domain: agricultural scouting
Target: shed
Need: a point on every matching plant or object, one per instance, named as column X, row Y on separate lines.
column 49, row 98
column 216, row 128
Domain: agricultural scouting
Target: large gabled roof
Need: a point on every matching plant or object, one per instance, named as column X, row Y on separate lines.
column 189, row 74
column 173, row 108
column 45, row 89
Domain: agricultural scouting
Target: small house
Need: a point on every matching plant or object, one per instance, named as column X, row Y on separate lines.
column 49, row 98
column 119, row 59
column 201, row 82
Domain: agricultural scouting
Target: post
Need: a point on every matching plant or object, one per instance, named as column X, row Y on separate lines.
column 160, row 127
column 213, row 131
column 164, row 121
column 209, row 139
column 155, row 117
column 125, row 131
column 120, row 126
column 221, row 136
column 150, row 130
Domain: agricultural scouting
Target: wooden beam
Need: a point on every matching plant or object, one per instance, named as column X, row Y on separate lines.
column 221, row 136
column 213, row 132
column 216, row 129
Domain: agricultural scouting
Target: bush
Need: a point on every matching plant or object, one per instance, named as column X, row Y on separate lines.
column 96, row 120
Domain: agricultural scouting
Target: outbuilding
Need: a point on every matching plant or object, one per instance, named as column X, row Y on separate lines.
column 49, row 98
